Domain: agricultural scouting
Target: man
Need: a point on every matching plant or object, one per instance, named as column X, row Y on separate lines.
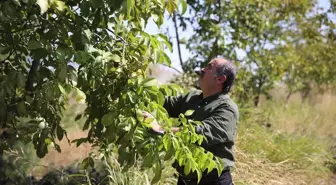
column 218, row 114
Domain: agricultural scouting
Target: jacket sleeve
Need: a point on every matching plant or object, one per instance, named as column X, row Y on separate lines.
column 173, row 105
column 219, row 127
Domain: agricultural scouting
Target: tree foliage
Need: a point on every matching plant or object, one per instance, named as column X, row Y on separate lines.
column 256, row 34
column 100, row 49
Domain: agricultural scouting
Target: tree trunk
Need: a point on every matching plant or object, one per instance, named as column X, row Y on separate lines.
column 288, row 96
column 256, row 100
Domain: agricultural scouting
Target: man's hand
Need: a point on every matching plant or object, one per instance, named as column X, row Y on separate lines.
column 155, row 126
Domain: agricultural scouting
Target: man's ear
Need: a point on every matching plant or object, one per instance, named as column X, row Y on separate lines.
column 221, row 79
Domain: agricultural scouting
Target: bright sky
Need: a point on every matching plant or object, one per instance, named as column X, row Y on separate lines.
column 168, row 24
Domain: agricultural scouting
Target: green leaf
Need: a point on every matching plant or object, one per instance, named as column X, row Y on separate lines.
column 34, row 44
column 16, row 2
column 189, row 112
column 180, row 160
column 21, row 108
column 91, row 162
column 171, row 6
column 169, row 153
column 97, row 18
column 199, row 175
column 184, row 6
column 219, row 165
column 187, row 168
column 44, row 4
column 107, row 120
column 85, row 8
column 158, row 171
column 39, row 53
column 148, row 82
column 130, row 4
column 97, row 3
column 113, row 57
column 166, row 58
column 60, row 133
column 49, row 95
column 58, row 148
column 161, row 98
column 60, row 5
column 166, row 42
column 61, row 54
column 21, row 81
column 42, row 149
column 148, row 159
column 5, row 50
column 131, row 97
column 166, row 141
column 79, row 141
column 62, row 74
column 61, row 89
column 87, row 162
column 211, row 165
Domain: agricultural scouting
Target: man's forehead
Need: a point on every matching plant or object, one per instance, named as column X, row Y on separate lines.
column 217, row 61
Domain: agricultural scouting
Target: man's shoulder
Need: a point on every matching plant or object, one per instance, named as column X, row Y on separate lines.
column 194, row 92
column 229, row 103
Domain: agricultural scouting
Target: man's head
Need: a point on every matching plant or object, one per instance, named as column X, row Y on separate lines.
column 217, row 76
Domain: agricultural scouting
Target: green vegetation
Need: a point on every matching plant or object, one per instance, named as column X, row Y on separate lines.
column 98, row 52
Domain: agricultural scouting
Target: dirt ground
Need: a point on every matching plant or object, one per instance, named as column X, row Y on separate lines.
column 69, row 155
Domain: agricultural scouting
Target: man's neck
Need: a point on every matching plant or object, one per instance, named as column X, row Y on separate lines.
column 207, row 94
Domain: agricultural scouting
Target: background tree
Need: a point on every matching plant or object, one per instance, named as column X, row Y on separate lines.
column 254, row 33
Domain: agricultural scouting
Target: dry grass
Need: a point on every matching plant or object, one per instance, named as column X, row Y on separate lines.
column 252, row 170
column 294, row 149
column 315, row 118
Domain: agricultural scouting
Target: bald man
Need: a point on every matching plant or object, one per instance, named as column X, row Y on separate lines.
column 218, row 114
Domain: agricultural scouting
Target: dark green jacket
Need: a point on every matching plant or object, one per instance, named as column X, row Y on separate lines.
column 219, row 116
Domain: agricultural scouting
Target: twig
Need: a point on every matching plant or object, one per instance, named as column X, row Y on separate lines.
column 11, row 65
column 122, row 39
column 171, row 67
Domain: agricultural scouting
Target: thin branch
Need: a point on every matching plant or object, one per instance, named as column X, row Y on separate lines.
column 178, row 41
column 171, row 67
column 11, row 65
column 122, row 39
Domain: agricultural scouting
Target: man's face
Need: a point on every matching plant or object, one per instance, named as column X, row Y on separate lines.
column 206, row 80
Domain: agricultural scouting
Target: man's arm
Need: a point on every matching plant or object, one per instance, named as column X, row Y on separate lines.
column 173, row 105
column 219, row 127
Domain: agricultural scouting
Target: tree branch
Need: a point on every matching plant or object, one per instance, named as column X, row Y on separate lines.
column 173, row 68
column 178, row 41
